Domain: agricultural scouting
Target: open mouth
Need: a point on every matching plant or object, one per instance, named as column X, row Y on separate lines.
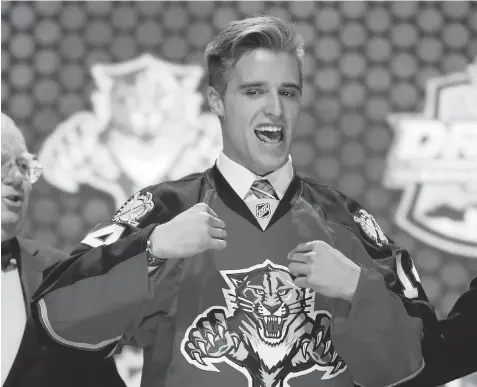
column 13, row 200
column 269, row 134
column 272, row 326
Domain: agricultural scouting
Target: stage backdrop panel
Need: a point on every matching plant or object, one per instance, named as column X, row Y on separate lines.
column 111, row 94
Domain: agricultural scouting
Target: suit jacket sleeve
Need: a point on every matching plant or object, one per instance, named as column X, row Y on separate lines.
column 453, row 353
column 104, row 293
column 380, row 334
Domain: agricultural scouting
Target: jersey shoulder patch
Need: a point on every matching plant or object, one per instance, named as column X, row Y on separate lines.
column 139, row 205
column 370, row 228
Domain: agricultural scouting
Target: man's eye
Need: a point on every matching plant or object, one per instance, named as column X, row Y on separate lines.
column 23, row 164
column 289, row 93
column 252, row 92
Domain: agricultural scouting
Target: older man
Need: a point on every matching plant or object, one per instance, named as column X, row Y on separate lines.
column 247, row 268
column 25, row 362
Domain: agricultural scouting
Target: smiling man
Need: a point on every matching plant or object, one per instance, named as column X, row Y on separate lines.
column 24, row 361
column 15, row 191
column 246, row 274
column 266, row 102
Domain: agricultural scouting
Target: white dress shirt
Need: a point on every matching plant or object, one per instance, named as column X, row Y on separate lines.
column 241, row 179
column 13, row 318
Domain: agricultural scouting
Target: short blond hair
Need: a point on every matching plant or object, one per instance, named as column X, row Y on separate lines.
column 242, row 36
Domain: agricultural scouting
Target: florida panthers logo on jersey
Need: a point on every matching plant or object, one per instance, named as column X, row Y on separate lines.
column 268, row 331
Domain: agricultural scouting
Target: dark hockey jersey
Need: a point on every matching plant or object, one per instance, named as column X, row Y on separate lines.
column 234, row 318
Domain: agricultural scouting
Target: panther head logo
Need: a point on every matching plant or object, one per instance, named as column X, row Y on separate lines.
column 270, row 300
column 147, row 126
column 269, row 330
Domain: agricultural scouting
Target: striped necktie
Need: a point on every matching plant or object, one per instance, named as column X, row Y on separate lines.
column 262, row 189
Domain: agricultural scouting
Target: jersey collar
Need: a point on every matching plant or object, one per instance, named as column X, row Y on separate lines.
column 241, row 179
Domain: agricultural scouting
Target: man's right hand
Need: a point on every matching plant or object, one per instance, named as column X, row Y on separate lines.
column 190, row 233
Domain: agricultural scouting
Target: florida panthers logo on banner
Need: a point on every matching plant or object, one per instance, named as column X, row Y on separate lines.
column 434, row 159
column 269, row 330
column 147, row 125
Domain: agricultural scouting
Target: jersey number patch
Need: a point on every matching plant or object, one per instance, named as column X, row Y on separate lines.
column 104, row 236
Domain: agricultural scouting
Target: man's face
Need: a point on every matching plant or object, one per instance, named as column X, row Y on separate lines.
column 261, row 108
column 16, row 188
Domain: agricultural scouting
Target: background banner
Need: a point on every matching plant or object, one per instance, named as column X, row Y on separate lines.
column 111, row 96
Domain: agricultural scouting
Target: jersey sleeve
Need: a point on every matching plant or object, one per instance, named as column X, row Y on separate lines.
column 380, row 334
column 103, row 292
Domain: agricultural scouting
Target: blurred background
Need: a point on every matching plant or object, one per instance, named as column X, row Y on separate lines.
column 110, row 94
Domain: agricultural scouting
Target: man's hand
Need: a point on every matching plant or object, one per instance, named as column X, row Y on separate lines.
column 320, row 267
column 190, row 233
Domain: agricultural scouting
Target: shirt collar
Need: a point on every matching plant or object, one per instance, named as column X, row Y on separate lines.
column 241, row 179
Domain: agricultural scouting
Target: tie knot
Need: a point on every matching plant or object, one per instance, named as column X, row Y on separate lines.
column 262, row 189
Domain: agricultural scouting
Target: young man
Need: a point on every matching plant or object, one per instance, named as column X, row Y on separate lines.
column 246, row 274
column 25, row 362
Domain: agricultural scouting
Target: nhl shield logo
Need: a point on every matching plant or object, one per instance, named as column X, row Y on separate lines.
column 263, row 210
column 434, row 160
column 147, row 126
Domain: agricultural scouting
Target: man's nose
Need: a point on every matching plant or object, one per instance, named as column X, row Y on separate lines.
column 274, row 106
column 15, row 176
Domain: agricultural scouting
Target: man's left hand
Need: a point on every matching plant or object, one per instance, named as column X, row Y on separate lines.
column 324, row 269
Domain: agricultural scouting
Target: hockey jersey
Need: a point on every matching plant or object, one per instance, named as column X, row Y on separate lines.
column 235, row 317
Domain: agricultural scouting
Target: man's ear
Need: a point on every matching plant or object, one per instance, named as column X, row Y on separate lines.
column 215, row 101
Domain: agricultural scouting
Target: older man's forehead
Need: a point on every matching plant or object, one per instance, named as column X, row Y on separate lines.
column 13, row 142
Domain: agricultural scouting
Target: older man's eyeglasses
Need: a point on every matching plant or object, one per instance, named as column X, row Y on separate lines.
column 29, row 167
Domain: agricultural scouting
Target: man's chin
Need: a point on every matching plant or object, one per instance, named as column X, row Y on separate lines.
column 11, row 225
column 8, row 234
column 269, row 163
